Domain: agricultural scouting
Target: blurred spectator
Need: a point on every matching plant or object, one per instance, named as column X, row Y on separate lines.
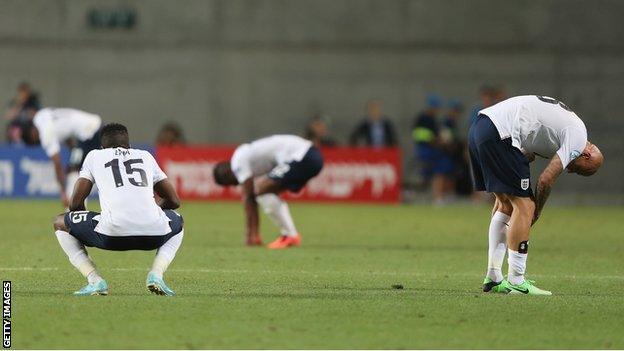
column 488, row 96
column 461, row 181
column 20, row 113
column 431, row 149
column 375, row 130
column 316, row 131
column 170, row 134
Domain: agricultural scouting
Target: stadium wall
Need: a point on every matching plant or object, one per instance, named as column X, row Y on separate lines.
column 233, row 70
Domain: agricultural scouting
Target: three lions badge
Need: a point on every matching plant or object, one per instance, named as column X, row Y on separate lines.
column 524, row 183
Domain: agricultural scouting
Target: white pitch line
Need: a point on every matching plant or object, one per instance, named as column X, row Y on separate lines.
column 319, row 273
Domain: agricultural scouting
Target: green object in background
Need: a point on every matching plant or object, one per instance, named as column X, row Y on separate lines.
column 423, row 135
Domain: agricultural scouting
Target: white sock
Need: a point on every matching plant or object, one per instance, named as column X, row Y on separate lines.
column 278, row 211
column 166, row 253
column 78, row 256
column 517, row 266
column 497, row 245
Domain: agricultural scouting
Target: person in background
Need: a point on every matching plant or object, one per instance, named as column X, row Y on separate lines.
column 436, row 168
column 170, row 134
column 376, row 130
column 316, row 132
column 21, row 111
column 460, row 183
column 55, row 126
column 488, row 96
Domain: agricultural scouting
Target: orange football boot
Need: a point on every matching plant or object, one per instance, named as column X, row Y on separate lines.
column 285, row 241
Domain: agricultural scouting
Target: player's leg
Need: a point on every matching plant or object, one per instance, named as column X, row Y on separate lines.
column 76, row 158
column 77, row 253
column 165, row 255
column 497, row 242
column 518, row 246
column 292, row 177
column 277, row 210
column 480, row 168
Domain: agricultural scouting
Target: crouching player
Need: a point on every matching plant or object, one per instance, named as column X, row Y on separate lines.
column 502, row 141
column 265, row 168
column 131, row 219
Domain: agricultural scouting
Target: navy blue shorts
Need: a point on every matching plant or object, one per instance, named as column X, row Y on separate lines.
column 80, row 151
column 294, row 175
column 81, row 225
column 497, row 166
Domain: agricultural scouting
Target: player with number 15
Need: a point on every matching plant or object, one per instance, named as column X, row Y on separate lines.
column 131, row 218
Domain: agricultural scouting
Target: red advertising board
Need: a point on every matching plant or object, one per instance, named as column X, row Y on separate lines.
column 348, row 175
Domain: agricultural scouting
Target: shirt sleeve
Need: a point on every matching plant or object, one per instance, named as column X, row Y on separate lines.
column 49, row 142
column 86, row 171
column 157, row 172
column 240, row 164
column 573, row 142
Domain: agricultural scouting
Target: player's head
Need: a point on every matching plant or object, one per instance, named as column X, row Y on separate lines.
column 114, row 135
column 588, row 162
column 223, row 174
column 30, row 134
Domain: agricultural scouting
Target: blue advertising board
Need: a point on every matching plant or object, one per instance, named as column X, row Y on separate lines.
column 27, row 172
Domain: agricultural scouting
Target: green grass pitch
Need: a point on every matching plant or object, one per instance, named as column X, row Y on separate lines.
column 333, row 292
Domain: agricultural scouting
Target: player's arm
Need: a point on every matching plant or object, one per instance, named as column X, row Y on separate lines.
column 82, row 189
column 545, row 183
column 529, row 155
column 251, row 208
column 60, row 176
column 168, row 198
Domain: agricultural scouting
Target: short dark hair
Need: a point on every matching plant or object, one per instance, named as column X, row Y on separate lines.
column 220, row 172
column 114, row 135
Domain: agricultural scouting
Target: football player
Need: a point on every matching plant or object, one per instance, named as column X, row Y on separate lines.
column 131, row 218
column 265, row 168
column 54, row 126
column 502, row 141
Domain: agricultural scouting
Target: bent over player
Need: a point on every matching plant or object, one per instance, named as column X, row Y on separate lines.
column 502, row 142
column 265, row 168
column 131, row 219
column 54, row 126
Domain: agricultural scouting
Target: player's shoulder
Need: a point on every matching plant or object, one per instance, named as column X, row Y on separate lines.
column 42, row 115
column 138, row 153
column 240, row 152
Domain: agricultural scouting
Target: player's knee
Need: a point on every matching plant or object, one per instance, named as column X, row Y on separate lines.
column 524, row 205
column 503, row 204
column 59, row 223
column 505, row 207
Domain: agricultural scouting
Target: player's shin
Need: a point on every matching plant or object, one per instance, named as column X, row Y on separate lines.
column 166, row 253
column 78, row 256
column 497, row 245
column 518, row 238
column 278, row 211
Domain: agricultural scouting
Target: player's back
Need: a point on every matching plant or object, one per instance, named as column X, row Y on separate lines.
column 125, row 179
column 536, row 123
column 68, row 122
column 281, row 147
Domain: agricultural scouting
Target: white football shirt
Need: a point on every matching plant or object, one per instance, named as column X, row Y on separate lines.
column 261, row 156
column 56, row 125
column 125, row 179
column 541, row 125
